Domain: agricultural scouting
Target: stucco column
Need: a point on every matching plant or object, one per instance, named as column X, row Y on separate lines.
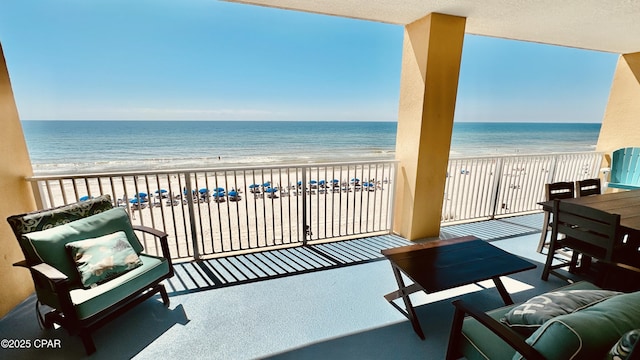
column 431, row 56
column 621, row 123
column 15, row 193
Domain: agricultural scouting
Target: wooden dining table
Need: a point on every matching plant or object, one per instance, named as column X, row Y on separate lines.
column 627, row 205
column 624, row 203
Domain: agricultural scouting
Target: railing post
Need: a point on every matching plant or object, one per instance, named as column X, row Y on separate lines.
column 192, row 216
column 38, row 196
column 305, row 221
column 496, row 189
column 552, row 173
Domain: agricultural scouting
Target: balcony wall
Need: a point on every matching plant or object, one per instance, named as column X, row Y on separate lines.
column 621, row 123
column 15, row 194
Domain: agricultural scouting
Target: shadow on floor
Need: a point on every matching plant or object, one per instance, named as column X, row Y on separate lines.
column 398, row 341
column 221, row 272
column 121, row 338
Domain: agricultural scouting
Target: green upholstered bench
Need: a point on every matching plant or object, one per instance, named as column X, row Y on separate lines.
column 590, row 332
column 88, row 264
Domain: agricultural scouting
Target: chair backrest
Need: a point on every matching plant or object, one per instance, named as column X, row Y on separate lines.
column 588, row 187
column 625, row 166
column 43, row 219
column 595, row 232
column 559, row 190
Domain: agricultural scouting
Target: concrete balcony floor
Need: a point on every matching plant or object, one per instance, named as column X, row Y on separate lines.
column 320, row 302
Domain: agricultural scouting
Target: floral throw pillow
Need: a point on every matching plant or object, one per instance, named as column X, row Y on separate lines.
column 103, row 258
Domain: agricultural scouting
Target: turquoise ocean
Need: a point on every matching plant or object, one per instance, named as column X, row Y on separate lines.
column 102, row 146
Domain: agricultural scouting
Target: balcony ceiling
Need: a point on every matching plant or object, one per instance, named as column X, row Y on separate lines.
column 603, row 25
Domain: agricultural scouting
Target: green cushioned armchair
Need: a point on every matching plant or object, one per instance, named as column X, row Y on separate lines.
column 88, row 265
column 588, row 331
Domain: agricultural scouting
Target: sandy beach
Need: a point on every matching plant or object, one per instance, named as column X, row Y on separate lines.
column 267, row 209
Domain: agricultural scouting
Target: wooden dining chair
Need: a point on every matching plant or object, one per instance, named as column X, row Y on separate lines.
column 552, row 191
column 591, row 232
column 588, row 187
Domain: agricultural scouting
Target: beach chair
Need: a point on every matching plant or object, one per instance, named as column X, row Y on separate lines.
column 558, row 190
column 624, row 172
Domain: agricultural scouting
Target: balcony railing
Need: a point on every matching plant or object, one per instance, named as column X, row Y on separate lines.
column 220, row 211
column 486, row 187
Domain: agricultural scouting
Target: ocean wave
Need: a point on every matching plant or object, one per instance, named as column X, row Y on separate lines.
column 203, row 162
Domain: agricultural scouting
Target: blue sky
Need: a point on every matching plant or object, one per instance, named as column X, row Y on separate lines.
column 210, row 60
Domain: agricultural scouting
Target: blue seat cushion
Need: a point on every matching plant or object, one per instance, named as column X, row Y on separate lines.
column 589, row 333
column 479, row 343
column 44, row 219
column 49, row 245
column 89, row 302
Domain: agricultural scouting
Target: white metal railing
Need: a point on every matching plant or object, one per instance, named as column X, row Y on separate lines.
column 214, row 211
column 485, row 187
column 293, row 204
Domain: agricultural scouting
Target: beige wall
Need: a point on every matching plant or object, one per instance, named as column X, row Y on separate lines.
column 16, row 195
column 431, row 56
column 621, row 123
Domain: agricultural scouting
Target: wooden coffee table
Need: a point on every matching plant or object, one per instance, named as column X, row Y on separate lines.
column 446, row 264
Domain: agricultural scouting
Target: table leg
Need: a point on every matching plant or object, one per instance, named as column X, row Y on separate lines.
column 502, row 290
column 404, row 292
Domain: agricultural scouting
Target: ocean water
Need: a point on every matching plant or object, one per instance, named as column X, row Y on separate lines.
column 99, row 146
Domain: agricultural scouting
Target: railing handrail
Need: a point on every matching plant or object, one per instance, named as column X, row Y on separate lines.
column 507, row 156
column 39, row 177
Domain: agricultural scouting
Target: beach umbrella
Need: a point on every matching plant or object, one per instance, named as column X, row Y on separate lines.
column 137, row 201
column 85, row 198
column 140, row 197
column 219, row 189
column 161, row 191
column 219, row 196
column 299, row 182
column 321, row 182
column 335, row 181
column 355, row 180
column 254, row 188
column 233, row 193
column 267, row 184
column 313, row 182
column 271, row 192
column 203, row 191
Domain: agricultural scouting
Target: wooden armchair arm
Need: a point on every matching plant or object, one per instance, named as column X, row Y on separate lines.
column 52, row 274
column 506, row 334
column 21, row 263
column 46, row 272
column 164, row 244
column 149, row 230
